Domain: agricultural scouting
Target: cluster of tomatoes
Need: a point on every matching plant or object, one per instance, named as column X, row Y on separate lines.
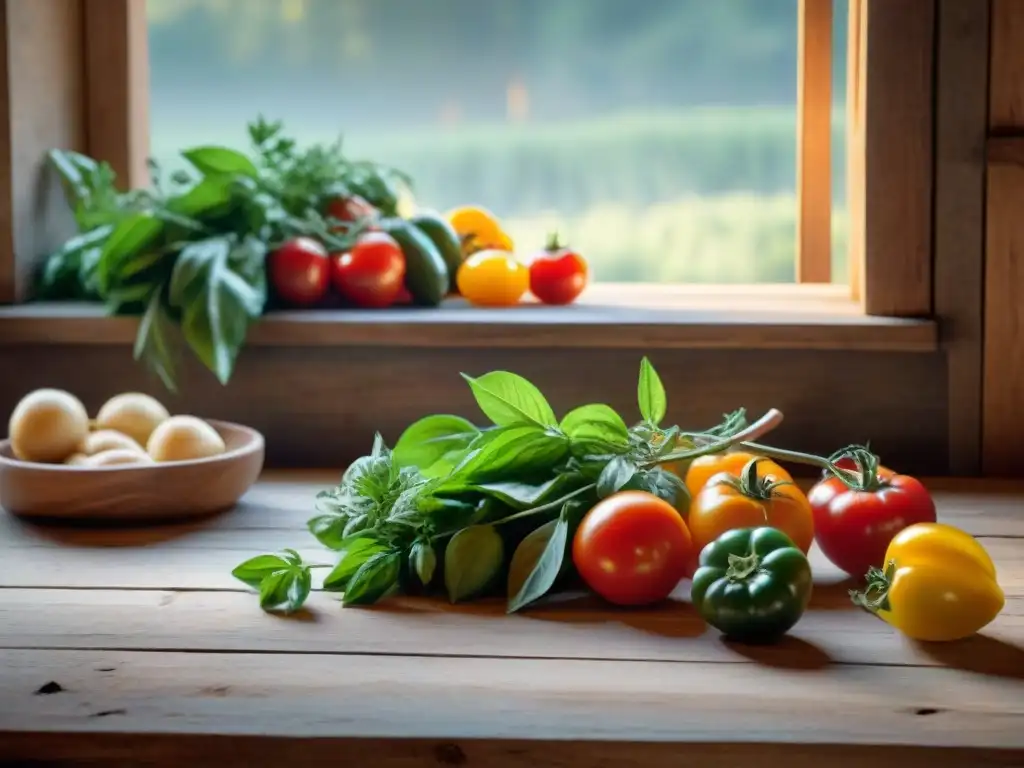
column 745, row 535
column 492, row 275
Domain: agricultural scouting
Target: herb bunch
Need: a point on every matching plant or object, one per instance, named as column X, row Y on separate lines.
column 471, row 510
column 188, row 255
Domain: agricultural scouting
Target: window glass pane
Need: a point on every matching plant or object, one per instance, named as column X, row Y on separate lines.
column 658, row 136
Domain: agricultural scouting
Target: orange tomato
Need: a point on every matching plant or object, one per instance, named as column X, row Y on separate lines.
column 493, row 279
column 478, row 229
column 704, row 468
column 726, row 503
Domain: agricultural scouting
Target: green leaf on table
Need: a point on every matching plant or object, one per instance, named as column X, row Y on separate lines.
column 596, row 429
column 651, row 394
column 374, row 579
column 354, row 554
column 538, row 562
column 515, row 453
column 219, row 293
column 615, row 475
column 213, row 160
column 254, row 570
column 153, row 343
column 210, row 197
column 428, row 440
column 509, row 400
column 329, row 529
column 472, row 561
column 127, row 242
column 285, row 591
column 423, row 561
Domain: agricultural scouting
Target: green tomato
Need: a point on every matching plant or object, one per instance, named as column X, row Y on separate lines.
column 753, row 584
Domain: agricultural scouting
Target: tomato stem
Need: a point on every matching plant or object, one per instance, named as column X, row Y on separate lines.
column 762, row 426
column 865, row 477
column 557, row 503
column 875, row 596
column 554, row 242
column 781, row 454
column 742, row 566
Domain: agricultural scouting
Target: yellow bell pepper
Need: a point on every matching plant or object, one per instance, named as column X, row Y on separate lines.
column 939, row 584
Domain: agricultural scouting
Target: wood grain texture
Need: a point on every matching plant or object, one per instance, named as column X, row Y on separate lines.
column 320, row 407
column 894, row 205
column 1004, row 277
column 117, row 85
column 814, row 142
column 41, row 98
column 960, row 131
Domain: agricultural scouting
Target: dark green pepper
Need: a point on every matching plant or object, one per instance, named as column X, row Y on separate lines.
column 753, row 584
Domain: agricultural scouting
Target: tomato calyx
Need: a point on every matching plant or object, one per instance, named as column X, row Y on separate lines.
column 865, row 476
column 554, row 243
column 752, row 485
column 875, row 596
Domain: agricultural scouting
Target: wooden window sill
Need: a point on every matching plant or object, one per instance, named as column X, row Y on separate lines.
column 609, row 316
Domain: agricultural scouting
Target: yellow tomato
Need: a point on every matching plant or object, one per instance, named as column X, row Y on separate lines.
column 939, row 584
column 478, row 229
column 493, row 278
column 704, row 468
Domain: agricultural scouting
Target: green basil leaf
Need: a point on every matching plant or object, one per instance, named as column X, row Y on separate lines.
column 130, row 237
column 423, row 561
column 546, row 566
column 212, row 196
column 448, row 514
column 472, row 561
column 615, row 475
column 329, row 529
column 153, row 341
column 374, row 579
column 356, row 524
column 285, row 591
column 430, row 439
column 213, row 160
column 254, row 570
column 515, row 453
column 75, row 171
column 663, row 484
column 524, row 495
column 651, row 394
column 217, row 302
column 596, row 429
column 510, row 400
column 355, row 554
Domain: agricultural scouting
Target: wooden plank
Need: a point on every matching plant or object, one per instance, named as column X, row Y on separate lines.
column 856, row 51
column 117, row 80
column 130, row 750
column 1003, row 388
column 414, row 697
column 814, row 142
column 41, row 92
column 338, row 397
column 895, row 194
column 831, row 632
column 960, row 131
column 1005, row 149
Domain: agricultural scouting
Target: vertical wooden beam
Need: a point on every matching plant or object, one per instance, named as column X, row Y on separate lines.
column 814, row 142
column 1003, row 404
column 41, row 100
column 961, row 119
column 117, row 83
column 856, row 50
column 894, row 191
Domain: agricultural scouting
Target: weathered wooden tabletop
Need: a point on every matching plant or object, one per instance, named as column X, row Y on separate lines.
column 138, row 648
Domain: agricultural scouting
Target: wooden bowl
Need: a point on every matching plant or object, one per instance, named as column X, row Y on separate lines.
column 169, row 490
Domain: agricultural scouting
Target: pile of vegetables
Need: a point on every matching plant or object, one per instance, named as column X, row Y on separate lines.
column 531, row 504
column 206, row 252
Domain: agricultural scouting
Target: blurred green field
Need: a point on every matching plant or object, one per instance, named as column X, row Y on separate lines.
column 702, row 195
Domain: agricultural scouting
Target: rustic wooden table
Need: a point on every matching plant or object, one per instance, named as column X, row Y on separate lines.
column 138, row 648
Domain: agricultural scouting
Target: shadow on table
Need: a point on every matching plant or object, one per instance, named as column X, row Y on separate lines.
column 980, row 654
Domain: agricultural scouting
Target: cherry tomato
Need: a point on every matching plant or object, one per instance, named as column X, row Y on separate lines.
column 478, row 229
column 300, row 271
column 557, row 274
column 493, row 279
column 854, row 525
column 730, row 501
column 349, row 209
column 371, row 273
column 632, row 548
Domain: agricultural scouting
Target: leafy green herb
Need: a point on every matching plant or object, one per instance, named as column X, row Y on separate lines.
column 375, row 579
column 615, row 475
column 472, row 561
column 283, row 581
column 355, row 554
column 510, row 400
column 423, row 561
column 651, row 394
column 430, row 439
column 539, row 566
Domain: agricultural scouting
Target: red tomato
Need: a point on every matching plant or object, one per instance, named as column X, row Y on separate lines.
column 372, row 273
column 300, row 271
column 632, row 548
column 352, row 208
column 854, row 526
column 557, row 274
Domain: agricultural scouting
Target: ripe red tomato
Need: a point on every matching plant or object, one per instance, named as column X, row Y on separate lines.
column 351, row 208
column 557, row 274
column 632, row 548
column 854, row 526
column 300, row 271
column 372, row 273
